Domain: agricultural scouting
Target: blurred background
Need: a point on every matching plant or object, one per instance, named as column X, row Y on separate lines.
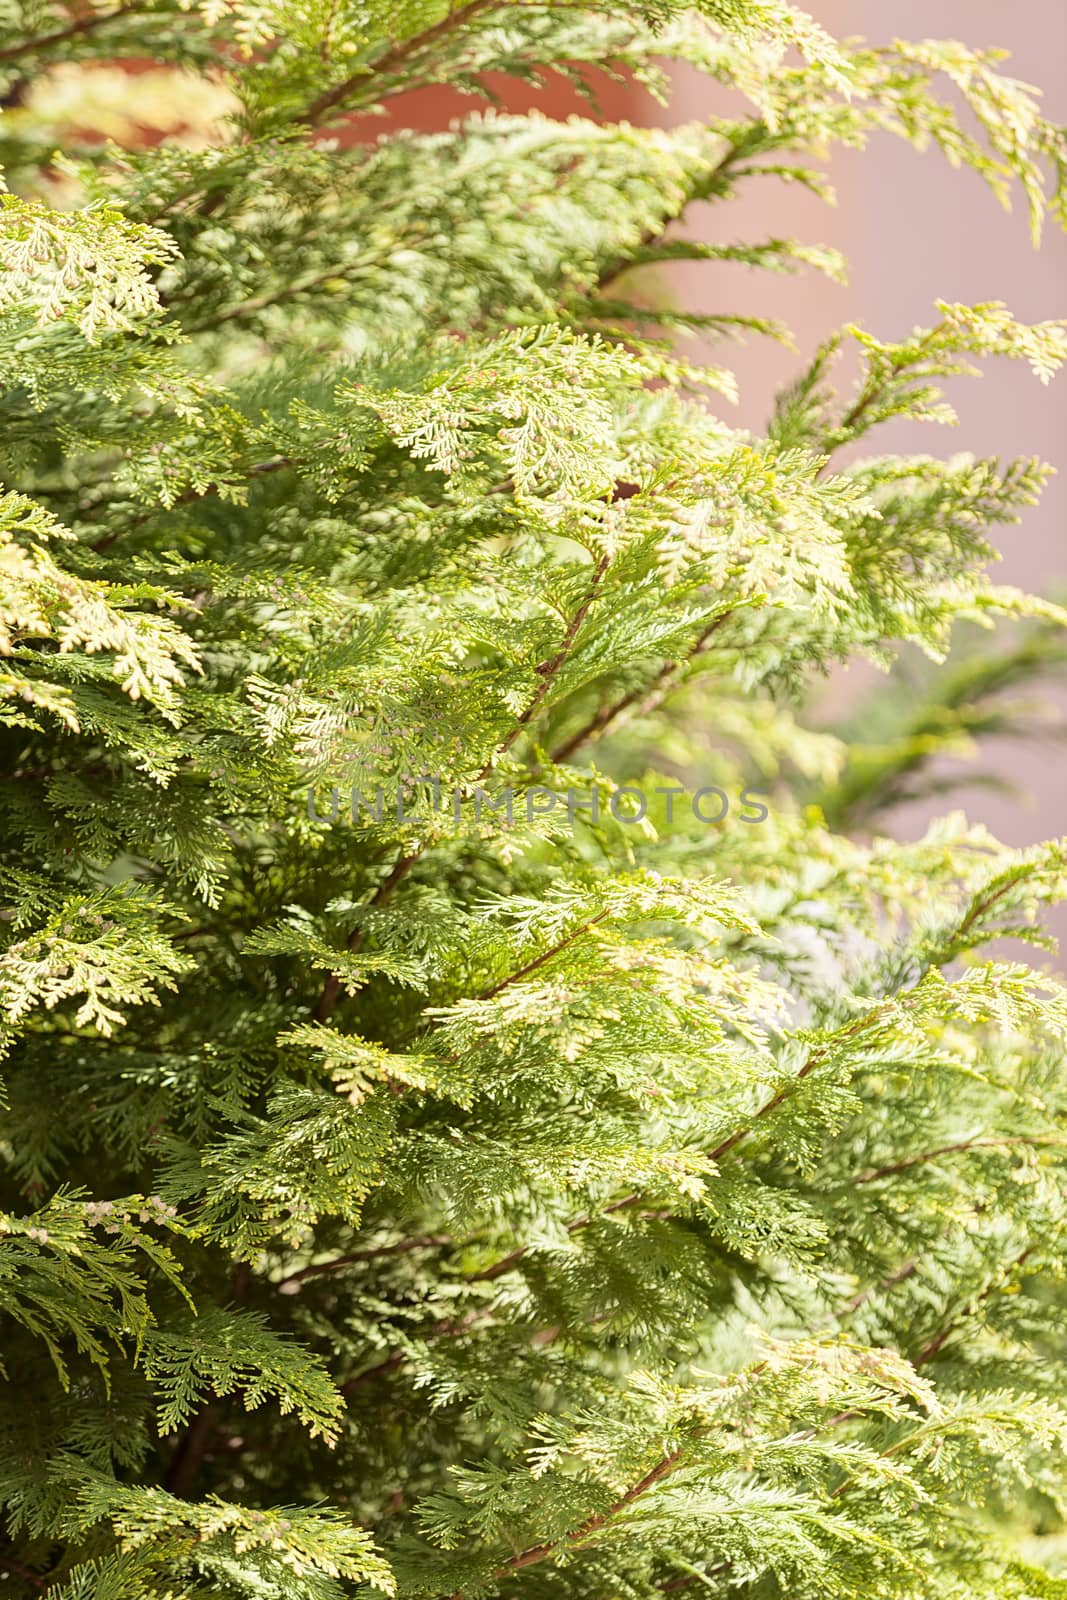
column 915, row 231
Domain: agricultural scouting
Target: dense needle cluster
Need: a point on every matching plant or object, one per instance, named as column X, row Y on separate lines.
column 594, row 1206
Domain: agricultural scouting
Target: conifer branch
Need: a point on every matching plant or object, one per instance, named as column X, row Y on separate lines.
column 74, row 30
column 535, row 1554
column 609, row 713
column 450, row 1329
column 277, row 297
column 188, row 497
column 981, row 908
column 908, row 1162
column 195, row 1441
column 319, row 1269
column 498, row 1268
column 446, row 1328
column 392, row 61
column 543, row 958
column 934, row 1346
column 332, row 988
column 504, row 1265
column 645, row 699
column 403, row 1247
column 549, row 669
column 907, row 1270
column 629, row 1201
column 711, row 184
column 932, row 1349
column 815, row 1059
column 663, row 1469
column 502, row 365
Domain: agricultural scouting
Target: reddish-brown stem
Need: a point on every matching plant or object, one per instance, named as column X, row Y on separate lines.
column 901, row 1275
column 644, row 699
column 185, row 1463
column 332, row 988
column 933, row 1346
column 390, row 1364
column 73, row 30
column 549, row 669
column 541, row 1552
column 448, row 1327
column 319, row 1269
column 787, row 1089
column 188, row 497
column 320, row 108
column 541, row 960
column 908, row 1162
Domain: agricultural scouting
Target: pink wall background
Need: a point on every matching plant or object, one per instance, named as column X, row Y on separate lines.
column 914, row 231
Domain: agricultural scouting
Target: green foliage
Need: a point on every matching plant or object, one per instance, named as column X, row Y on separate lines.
column 409, row 1195
column 900, row 746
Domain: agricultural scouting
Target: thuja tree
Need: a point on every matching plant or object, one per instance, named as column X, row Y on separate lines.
column 628, row 1194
